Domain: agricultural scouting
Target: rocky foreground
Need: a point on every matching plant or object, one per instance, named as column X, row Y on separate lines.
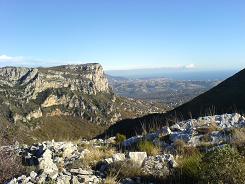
column 140, row 159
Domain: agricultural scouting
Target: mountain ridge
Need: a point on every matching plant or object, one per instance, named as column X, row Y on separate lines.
column 226, row 97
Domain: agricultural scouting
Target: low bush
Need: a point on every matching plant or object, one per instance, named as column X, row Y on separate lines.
column 120, row 138
column 223, row 165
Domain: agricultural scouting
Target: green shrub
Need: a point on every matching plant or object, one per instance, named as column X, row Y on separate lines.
column 223, row 165
column 149, row 148
column 120, row 138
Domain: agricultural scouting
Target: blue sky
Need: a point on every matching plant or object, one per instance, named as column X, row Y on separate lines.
column 124, row 34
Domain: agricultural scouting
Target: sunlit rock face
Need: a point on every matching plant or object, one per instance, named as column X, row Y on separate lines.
column 30, row 93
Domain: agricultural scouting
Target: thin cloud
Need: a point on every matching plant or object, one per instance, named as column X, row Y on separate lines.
column 6, row 58
column 134, row 67
column 190, row 66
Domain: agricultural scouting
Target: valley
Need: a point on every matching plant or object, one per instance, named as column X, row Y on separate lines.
column 169, row 92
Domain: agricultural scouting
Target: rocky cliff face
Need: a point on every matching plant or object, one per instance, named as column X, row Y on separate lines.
column 88, row 79
column 75, row 90
column 70, row 90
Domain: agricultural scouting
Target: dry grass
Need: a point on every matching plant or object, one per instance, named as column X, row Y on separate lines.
column 94, row 155
column 110, row 179
column 180, row 145
column 70, row 128
column 238, row 136
column 189, row 166
column 125, row 169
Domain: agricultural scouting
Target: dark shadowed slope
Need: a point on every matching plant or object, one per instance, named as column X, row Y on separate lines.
column 227, row 97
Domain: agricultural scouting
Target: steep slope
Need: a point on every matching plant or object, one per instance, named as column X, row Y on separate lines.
column 227, row 97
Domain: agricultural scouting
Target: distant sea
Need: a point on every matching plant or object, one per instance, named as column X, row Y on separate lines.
column 173, row 74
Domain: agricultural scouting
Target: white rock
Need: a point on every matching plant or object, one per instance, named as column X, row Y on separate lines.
column 109, row 160
column 33, row 175
column 13, row 181
column 63, row 179
column 81, row 171
column 69, row 149
column 47, row 165
column 118, row 157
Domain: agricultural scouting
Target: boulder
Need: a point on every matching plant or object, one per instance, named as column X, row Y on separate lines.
column 180, row 136
column 33, row 175
column 132, row 140
column 118, row 157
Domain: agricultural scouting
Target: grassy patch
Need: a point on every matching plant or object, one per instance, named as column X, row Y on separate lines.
column 65, row 128
column 190, row 166
column 149, row 148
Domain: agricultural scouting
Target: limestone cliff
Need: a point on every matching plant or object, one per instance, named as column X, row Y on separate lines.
column 30, row 93
column 70, row 90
